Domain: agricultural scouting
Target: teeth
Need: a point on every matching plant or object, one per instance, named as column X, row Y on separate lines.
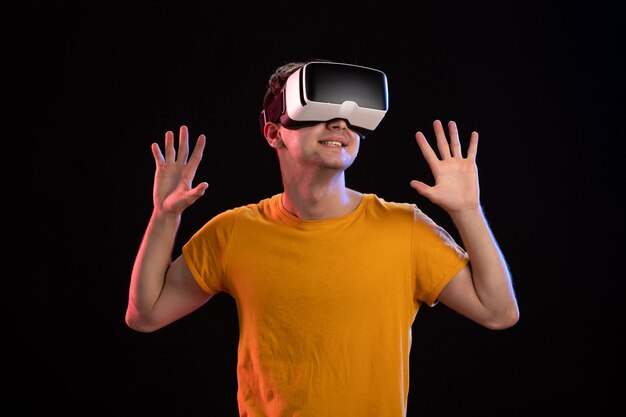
column 331, row 143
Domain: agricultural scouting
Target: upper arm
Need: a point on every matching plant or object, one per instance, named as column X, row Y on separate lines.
column 461, row 296
column 494, row 306
column 180, row 296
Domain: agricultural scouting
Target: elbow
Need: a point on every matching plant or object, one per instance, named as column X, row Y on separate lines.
column 139, row 324
column 504, row 320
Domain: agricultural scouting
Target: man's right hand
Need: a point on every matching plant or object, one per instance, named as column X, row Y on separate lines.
column 173, row 180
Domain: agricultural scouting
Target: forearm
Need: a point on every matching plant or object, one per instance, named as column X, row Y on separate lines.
column 490, row 272
column 152, row 262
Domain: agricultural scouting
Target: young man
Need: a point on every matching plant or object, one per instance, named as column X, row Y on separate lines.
column 327, row 280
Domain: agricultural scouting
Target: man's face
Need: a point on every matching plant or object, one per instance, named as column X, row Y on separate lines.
column 330, row 145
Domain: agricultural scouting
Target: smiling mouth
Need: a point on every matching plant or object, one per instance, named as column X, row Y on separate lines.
column 333, row 143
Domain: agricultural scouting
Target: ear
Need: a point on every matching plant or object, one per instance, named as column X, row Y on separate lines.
column 272, row 135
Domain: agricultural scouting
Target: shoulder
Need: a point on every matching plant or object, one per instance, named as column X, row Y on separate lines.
column 263, row 209
column 403, row 211
column 377, row 203
column 387, row 214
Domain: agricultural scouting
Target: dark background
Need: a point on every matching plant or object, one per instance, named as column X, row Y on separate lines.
column 542, row 83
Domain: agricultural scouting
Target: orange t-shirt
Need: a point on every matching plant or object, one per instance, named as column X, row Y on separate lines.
column 325, row 307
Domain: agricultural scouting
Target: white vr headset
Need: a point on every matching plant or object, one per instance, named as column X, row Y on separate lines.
column 322, row 91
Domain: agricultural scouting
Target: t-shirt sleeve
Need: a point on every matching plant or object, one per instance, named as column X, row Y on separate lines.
column 206, row 252
column 437, row 257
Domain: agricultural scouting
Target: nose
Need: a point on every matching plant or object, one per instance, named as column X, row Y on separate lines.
column 340, row 124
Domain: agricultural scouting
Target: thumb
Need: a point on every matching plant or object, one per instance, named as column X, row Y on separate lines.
column 421, row 187
column 199, row 189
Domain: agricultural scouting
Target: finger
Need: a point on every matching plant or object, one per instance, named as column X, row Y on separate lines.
column 472, row 149
column 455, row 143
column 170, row 152
column 429, row 154
column 196, row 155
column 421, row 187
column 158, row 155
column 442, row 142
column 199, row 190
column 183, row 144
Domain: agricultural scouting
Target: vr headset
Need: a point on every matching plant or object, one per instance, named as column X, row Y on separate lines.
column 323, row 91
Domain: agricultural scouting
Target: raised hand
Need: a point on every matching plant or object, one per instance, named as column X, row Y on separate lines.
column 456, row 178
column 173, row 180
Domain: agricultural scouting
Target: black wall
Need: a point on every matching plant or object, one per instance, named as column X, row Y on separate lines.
column 543, row 84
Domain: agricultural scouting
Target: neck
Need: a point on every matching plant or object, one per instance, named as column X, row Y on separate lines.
column 319, row 198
